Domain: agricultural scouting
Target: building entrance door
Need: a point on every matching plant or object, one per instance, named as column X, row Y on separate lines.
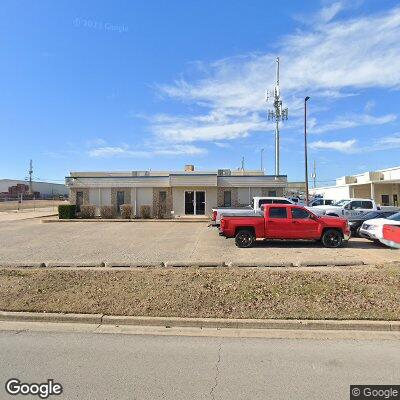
column 120, row 200
column 195, row 202
column 189, row 203
column 200, row 203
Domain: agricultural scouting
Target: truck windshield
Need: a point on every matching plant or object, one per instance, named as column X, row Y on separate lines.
column 341, row 203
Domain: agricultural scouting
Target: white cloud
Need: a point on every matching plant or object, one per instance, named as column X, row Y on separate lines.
column 125, row 151
column 352, row 122
column 351, row 146
column 331, row 59
column 344, row 146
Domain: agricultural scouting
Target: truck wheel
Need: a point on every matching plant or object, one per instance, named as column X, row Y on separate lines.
column 332, row 238
column 245, row 238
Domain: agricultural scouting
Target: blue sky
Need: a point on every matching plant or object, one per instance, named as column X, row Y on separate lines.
column 129, row 85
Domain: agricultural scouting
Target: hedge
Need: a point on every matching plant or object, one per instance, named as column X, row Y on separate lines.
column 66, row 211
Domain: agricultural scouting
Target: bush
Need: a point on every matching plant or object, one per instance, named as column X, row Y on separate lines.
column 145, row 212
column 107, row 212
column 88, row 211
column 66, row 211
column 126, row 211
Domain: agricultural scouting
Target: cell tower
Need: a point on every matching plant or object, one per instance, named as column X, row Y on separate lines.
column 277, row 114
column 30, row 177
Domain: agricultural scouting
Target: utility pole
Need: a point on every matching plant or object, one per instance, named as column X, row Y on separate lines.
column 305, row 146
column 30, row 177
column 242, row 163
column 262, row 153
column 277, row 114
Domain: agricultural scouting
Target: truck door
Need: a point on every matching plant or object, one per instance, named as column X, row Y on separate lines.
column 303, row 225
column 356, row 208
column 277, row 223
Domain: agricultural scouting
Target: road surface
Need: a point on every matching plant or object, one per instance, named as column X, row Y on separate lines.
column 115, row 366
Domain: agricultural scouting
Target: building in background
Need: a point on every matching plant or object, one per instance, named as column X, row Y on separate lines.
column 14, row 189
column 173, row 193
column 382, row 185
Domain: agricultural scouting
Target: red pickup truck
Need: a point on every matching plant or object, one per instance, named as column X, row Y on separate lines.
column 281, row 221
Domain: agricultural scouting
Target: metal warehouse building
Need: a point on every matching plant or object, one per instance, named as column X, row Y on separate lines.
column 173, row 193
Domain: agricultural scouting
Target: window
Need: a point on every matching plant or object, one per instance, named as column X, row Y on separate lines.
column 385, row 199
column 367, row 205
column 264, row 201
column 395, row 217
column 299, row 213
column 277, row 212
column 272, row 193
column 281, row 201
column 227, row 198
column 328, row 202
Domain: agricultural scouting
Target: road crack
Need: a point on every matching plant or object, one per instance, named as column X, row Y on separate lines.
column 212, row 392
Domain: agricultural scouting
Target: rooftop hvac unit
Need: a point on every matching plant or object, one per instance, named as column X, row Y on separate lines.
column 224, row 172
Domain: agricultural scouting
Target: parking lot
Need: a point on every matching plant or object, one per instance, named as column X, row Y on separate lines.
column 33, row 241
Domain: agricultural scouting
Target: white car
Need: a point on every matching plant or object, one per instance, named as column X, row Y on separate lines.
column 372, row 229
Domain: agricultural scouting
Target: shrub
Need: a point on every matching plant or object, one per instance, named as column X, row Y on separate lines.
column 107, row 212
column 88, row 211
column 66, row 211
column 126, row 211
column 145, row 212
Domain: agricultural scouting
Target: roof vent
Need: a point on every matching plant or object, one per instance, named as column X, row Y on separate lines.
column 189, row 168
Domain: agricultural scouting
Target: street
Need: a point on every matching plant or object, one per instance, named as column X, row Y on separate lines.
column 116, row 366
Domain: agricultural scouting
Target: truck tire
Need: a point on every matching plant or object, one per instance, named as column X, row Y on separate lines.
column 332, row 238
column 245, row 238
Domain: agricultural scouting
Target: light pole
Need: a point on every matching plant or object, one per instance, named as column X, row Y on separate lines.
column 305, row 145
column 262, row 152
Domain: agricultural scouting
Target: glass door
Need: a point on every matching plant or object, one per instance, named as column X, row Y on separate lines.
column 200, row 203
column 189, row 203
column 120, row 200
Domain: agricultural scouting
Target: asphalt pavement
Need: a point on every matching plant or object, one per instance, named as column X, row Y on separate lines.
column 33, row 241
column 116, row 366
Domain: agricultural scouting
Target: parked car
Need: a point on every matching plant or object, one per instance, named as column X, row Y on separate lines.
column 255, row 207
column 356, row 223
column 391, row 236
column 282, row 221
column 347, row 208
column 372, row 229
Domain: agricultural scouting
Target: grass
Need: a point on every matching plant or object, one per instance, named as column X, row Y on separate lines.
column 361, row 293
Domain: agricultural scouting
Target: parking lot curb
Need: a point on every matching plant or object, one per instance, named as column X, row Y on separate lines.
column 219, row 323
column 127, row 264
column 266, row 264
column 185, row 264
column 328, row 263
column 49, row 221
column 22, row 264
column 56, row 264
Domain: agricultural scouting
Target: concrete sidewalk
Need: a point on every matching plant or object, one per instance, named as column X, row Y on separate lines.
column 7, row 216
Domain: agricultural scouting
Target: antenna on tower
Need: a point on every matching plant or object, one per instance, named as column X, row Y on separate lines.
column 30, row 177
column 314, row 175
column 277, row 114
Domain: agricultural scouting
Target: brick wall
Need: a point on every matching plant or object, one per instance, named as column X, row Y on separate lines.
column 234, row 196
column 156, row 203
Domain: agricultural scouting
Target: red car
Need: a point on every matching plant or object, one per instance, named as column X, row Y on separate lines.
column 285, row 222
